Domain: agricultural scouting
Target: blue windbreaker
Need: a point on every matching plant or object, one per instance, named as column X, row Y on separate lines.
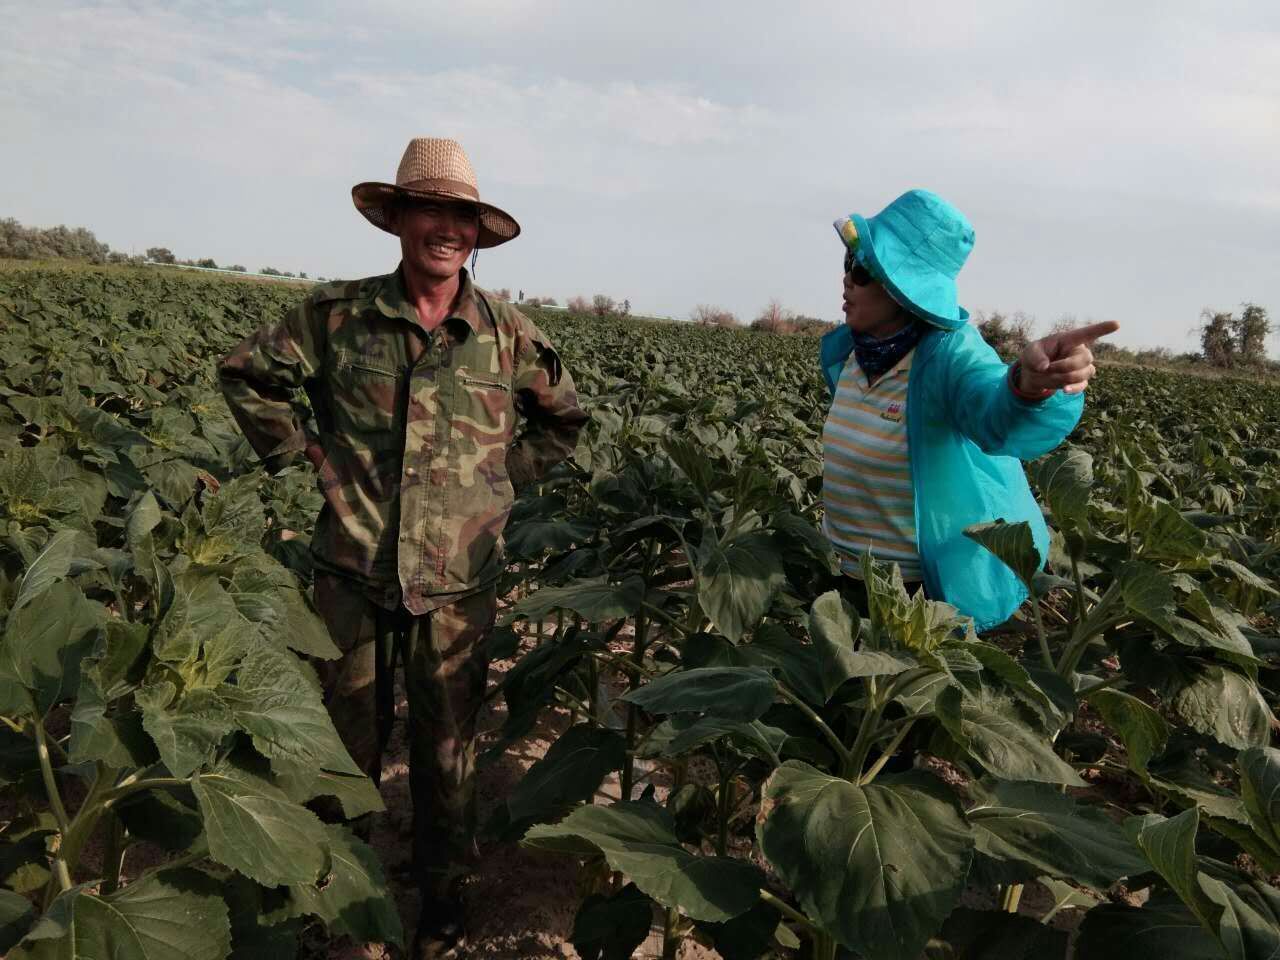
column 966, row 435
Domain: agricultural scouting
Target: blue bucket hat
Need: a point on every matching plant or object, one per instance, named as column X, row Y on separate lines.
column 915, row 247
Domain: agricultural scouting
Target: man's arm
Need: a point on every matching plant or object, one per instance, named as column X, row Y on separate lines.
column 259, row 379
column 546, row 398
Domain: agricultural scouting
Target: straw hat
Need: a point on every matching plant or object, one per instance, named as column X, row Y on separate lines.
column 434, row 167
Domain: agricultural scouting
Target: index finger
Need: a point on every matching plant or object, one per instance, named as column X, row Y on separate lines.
column 1071, row 339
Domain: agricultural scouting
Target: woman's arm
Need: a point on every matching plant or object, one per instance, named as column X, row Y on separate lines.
column 983, row 406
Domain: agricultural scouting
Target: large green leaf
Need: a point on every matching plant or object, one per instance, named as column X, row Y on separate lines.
column 16, row 916
column 680, row 735
column 1012, row 543
column 65, row 550
column 254, row 828
column 996, row 935
column 201, row 609
column 255, row 934
column 356, row 793
column 279, row 706
column 734, row 693
column 1171, row 537
column 1065, row 479
column 46, row 641
column 1225, row 705
column 1260, row 790
column 1170, row 845
column 796, row 663
column 595, row 600
column 1142, row 729
column 833, row 625
column 878, row 866
column 612, row 927
column 351, row 895
column 266, row 592
column 737, row 581
column 1249, row 925
column 188, row 729
column 99, row 732
column 988, row 725
column 533, row 538
column 639, row 840
column 1162, row 929
column 168, row 915
column 1036, row 824
column 570, row 772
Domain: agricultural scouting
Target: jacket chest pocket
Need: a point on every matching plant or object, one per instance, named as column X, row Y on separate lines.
column 367, row 398
column 482, row 418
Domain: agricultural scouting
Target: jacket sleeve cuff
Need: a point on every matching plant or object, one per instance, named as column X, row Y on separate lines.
column 285, row 453
column 1028, row 399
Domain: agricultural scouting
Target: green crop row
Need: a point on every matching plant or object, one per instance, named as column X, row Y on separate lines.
column 793, row 777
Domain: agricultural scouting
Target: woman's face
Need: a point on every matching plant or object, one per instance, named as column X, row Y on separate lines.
column 868, row 308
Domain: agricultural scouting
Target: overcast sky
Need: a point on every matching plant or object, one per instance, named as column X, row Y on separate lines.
column 1118, row 161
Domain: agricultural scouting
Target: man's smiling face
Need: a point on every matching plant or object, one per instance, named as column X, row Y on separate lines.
column 436, row 236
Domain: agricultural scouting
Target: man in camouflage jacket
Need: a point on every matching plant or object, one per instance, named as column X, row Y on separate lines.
column 415, row 380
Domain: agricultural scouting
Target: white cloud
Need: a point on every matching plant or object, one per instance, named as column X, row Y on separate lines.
column 673, row 152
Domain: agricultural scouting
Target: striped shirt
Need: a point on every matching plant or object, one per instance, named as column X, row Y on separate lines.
column 866, row 478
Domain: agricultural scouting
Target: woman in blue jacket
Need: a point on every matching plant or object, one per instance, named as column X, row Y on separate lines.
column 928, row 427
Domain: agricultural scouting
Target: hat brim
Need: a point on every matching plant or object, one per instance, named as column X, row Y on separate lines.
column 372, row 198
column 931, row 295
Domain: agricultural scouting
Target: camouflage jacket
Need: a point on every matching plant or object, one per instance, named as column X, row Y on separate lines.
column 417, row 428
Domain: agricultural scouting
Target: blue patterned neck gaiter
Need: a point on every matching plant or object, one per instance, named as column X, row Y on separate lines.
column 878, row 357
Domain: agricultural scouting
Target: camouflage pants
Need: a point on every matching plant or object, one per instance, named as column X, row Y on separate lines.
column 445, row 668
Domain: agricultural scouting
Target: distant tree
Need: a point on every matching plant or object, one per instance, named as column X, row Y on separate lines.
column 160, row 255
column 603, row 306
column 272, row 272
column 302, row 275
column 238, row 267
column 1218, row 341
column 34, row 243
column 503, row 293
column 1251, row 330
column 1064, row 323
column 548, row 301
column 578, row 304
column 707, row 315
column 1007, row 333
column 625, row 309
column 809, row 326
column 208, row 263
column 774, row 318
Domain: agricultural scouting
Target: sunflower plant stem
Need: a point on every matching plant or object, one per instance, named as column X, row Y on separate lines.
column 112, row 854
column 1045, row 653
column 889, row 751
column 833, row 741
column 723, row 796
column 46, row 771
column 670, row 934
column 851, row 769
column 633, row 680
column 1097, row 621
column 1079, row 579
column 791, row 913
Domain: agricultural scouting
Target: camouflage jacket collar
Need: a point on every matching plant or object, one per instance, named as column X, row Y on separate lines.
column 392, row 300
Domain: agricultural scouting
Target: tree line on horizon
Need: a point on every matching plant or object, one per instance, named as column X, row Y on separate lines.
column 1228, row 340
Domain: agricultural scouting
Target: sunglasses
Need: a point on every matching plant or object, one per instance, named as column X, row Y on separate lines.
column 857, row 273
